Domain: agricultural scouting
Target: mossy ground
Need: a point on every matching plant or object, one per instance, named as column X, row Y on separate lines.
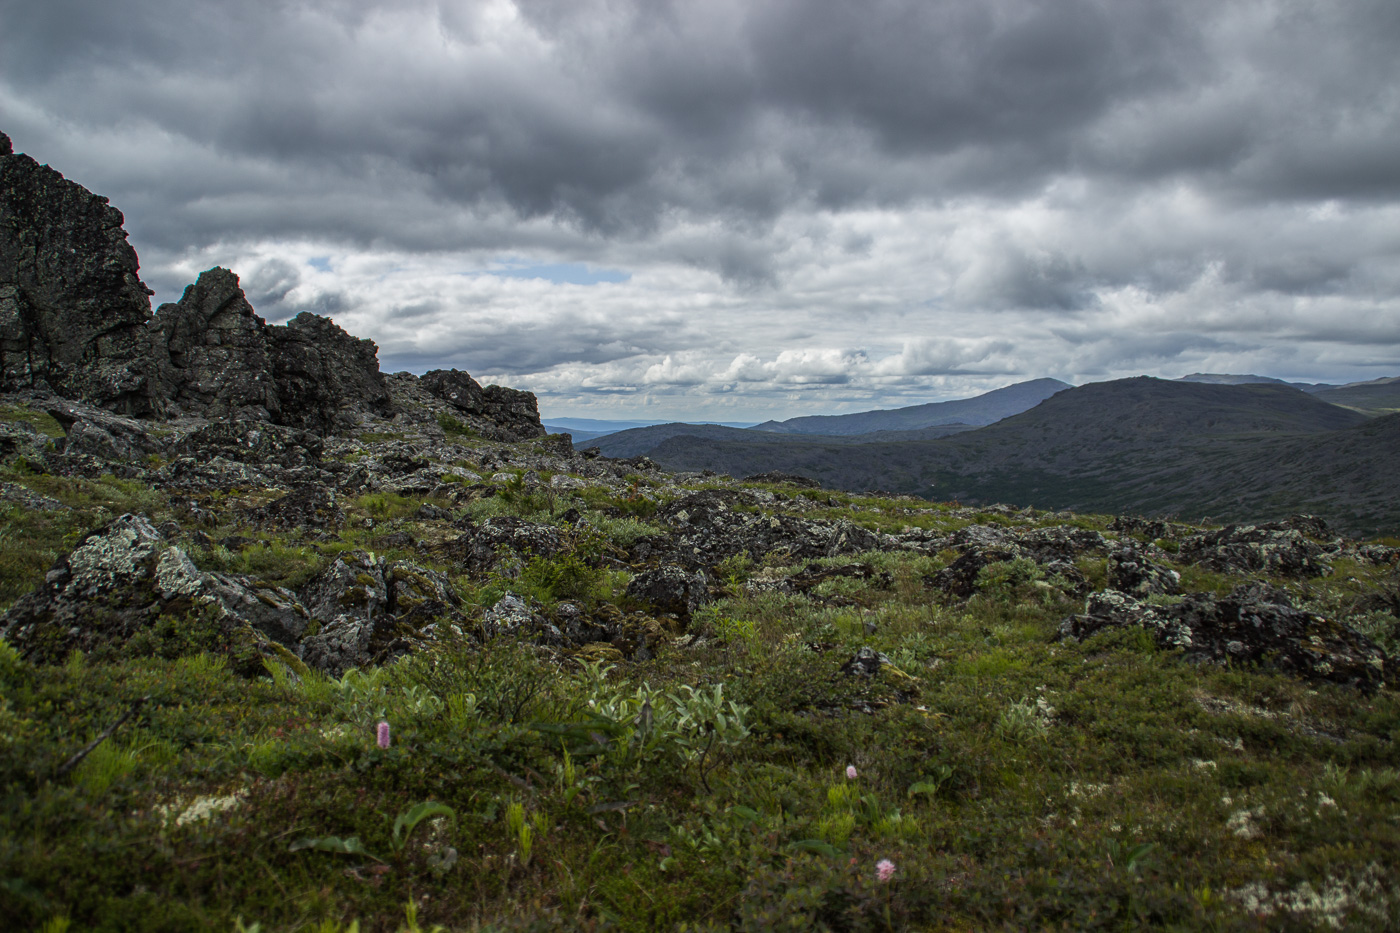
column 1013, row 780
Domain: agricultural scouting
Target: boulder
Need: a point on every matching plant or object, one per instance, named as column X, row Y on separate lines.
column 707, row 528
column 1254, row 625
column 1274, row 549
column 305, row 508
column 252, row 442
column 1132, row 573
column 350, row 600
column 125, row 588
column 482, row 545
column 959, row 579
column 513, row 413
column 671, row 589
column 73, row 309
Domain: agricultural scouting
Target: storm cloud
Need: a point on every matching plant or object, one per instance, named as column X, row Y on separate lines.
column 758, row 208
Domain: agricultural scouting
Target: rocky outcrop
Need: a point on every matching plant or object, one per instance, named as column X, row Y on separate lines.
column 75, row 320
column 219, row 359
column 1253, row 626
column 125, row 588
column 73, row 309
column 671, row 590
column 324, row 376
column 712, row 525
column 1276, row 548
column 495, row 412
column 213, row 354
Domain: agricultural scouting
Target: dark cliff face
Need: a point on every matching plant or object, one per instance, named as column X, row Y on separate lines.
column 73, row 309
column 75, row 319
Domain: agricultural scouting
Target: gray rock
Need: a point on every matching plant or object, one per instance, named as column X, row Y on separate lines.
column 125, row 587
column 324, row 376
column 213, row 352
column 514, row 412
column 252, row 442
column 509, row 615
column 1253, row 626
column 1274, row 549
column 1131, row 572
column 707, row 527
column 671, row 589
column 219, row 359
column 482, row 545
column 73, row 309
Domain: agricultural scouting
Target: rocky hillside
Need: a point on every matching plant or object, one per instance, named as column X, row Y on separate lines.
column 287, row 649
column 76, row 323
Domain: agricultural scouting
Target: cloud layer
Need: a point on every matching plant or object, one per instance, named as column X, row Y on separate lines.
column 753, row 208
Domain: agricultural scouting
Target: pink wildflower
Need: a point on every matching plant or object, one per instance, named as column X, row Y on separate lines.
column 850, row 772
column 383, row 735
column 884, row 869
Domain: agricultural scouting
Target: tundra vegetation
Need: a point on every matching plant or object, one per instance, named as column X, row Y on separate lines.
column 896, row 730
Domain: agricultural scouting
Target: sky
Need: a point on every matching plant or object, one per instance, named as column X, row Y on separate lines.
column 747, row 209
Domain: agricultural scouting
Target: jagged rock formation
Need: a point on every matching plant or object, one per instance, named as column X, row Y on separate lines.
column 219, row 359
column 75, row 320
column 73, row 309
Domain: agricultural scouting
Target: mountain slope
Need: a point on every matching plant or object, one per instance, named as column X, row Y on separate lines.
column 640, row 442
column 1378, row 397
column 1143, row 445
column 983, row 409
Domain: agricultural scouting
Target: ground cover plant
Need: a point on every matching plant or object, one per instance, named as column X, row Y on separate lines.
column 608, row 697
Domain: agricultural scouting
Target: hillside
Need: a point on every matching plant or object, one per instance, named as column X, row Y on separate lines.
column 640, row 442
column 289, row 644
column 983, row 409
column 1378, row 397
column 1146, row 445
column 403, row 678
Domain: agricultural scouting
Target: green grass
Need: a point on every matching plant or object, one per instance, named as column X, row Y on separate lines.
column 1015, row 781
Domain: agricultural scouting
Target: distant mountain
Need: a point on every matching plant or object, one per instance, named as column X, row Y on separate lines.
column 640, row 442
column 1229, row 379
column 981, row 410
column 590, row 429
column 1377, row 397
column 1137, row 445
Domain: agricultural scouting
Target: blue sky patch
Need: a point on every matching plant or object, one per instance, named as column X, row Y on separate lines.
column 563, row 273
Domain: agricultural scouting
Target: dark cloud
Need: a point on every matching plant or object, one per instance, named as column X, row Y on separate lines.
column 835, row 171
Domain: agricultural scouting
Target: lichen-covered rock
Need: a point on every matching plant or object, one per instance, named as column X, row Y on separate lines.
column 419, row 596
column 1254, row 625
column 504, row 414
column 1061, row 543
column 509, row 615
column 671, row 589
column 706, row 528
column 481, row 546
column 960, row 578
column 1129, row 571
column 125, row 588
column 350, row 600
column 255, row 442
column 1273, row 549
column 308, row 507
column 73, row 309
column 98, row 441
